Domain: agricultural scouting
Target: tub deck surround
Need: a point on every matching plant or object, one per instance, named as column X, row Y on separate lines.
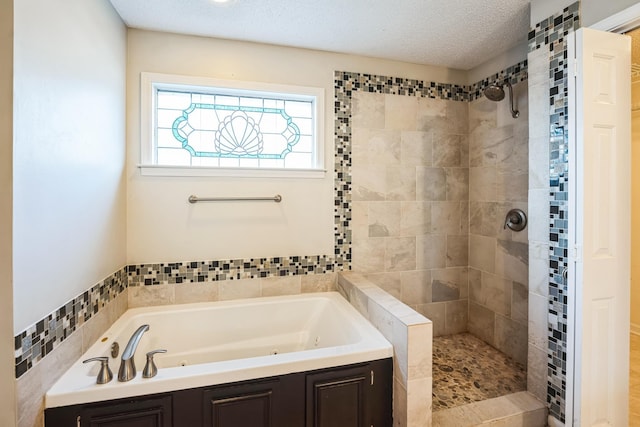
column 411, row 335
column 227, row 341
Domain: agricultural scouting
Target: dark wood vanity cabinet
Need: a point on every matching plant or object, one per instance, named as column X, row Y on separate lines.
column 348, row 396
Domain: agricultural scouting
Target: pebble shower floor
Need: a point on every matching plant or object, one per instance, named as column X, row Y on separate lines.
column 467, row 370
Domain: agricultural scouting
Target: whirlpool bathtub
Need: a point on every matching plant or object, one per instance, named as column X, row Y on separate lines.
column 224, row 342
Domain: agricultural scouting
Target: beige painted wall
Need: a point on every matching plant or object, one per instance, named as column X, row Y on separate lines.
column 163, row 227
column 635, row 215
column 69, row 152
column 7, row 382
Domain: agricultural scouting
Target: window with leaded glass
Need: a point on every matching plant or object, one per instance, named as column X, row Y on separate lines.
column 213, row 124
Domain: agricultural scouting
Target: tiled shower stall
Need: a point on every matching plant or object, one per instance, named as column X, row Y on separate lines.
column 433, row 180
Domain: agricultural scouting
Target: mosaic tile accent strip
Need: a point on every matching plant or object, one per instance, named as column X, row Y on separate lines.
column 234, row 269
column 515, row 74
column 551, row 34
column 466, row 369
column 40, row 339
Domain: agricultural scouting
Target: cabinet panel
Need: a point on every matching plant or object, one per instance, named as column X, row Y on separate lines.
column 273, row 403
column 141, row 413
column 337, row 398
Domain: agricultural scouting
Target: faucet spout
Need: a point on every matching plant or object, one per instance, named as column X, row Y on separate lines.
column 127, row 369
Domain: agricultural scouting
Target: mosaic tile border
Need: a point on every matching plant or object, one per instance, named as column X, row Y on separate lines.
column 41, row 338
column 515, row 74
column 234, row 269
column 37, row 341
column 551, row 34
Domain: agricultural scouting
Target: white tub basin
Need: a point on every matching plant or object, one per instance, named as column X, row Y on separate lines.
column 223, row 342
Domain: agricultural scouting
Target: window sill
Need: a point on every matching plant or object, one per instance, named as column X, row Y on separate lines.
column 194, row 171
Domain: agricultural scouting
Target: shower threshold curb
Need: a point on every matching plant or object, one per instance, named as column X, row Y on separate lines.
column 520, row 409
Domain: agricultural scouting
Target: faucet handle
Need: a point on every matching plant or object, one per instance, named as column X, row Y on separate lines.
column 105, row 375
column 150, row 369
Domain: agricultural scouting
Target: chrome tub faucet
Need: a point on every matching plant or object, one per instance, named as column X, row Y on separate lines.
column 127, row 370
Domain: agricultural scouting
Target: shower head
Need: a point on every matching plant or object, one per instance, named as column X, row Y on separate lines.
column 495, row 92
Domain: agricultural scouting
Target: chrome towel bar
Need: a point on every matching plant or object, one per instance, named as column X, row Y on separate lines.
column 194, row 199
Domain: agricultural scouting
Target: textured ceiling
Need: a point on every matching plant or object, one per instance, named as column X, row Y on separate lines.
column 457, row 34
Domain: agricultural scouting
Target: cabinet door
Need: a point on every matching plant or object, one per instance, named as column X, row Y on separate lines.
column 140, row 413
column 272, row 403
column 337, row 398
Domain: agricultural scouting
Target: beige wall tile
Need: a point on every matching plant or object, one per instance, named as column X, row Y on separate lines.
column 537, row 372
column 538, row 268
column 415, row 218
column 520, row 303
column 538, row 310
column 143, row 296
column 359, row 220
column 384, row 219
column 318, row 283
column 457, row 251
column 401, row 183
column 457, row 318
column 33, row 385
column 539, row 110
column 484, row 219
column 94, row 328
column 448, row 150
column 285, row 285
column 419, row 402
column 513, row 156
column 450, row 282
column 415, row 287
column 512, row 186
column 482, row 253
column 400, row 112
column 493, row 292
column 482, row 323
column 511, row 338
column 389, row 282
column 368, row 184
column 237, row 289
column 512, row 260
column 436, row 313
column 431, row 251
column 483, row 184
column 383, row 148
column 416, row 148
column 538, row 217
column 368, row 255
column 400, row 254
column 539, row 162
column 430, row 183
column 457, row 183
column 399, row 403
column 367, row 109
column 196, row 292
column 457, row 117
column 420, row 348
column 446, row 218
column 431, row 115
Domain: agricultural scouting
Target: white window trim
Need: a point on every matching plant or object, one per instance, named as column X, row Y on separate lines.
column 149, row 82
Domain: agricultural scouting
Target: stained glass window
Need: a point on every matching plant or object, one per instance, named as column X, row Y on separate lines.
column 221, row 127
